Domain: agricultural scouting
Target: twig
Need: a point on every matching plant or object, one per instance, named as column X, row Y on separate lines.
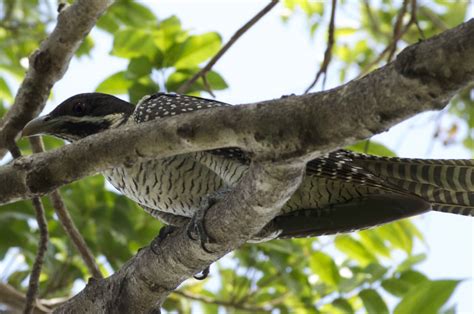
column 33, row 285
column 227, row 304
column 435, row 19
column 328, row 53
column 15, row 300
column 394, row 41
column 414, row 17
column 71, row 230
column 202, row 73
column 372, row 21
column 397, row 29
column 65, row 219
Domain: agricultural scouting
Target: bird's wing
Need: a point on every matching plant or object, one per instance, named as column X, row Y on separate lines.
column 162, row 105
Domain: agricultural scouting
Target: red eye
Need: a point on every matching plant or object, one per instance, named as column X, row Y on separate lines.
column 78, row 108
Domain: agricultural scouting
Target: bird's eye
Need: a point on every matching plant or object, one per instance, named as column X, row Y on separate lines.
column 78, row 108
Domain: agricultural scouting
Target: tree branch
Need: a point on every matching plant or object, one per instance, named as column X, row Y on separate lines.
column 282, row 134
column 202, row 73
column 279, row 129
column 328, row 53
column 397, row 35
column 33, row 284
column 145, row 281
column 47, row 65
column 71, row 230
column 15, row 300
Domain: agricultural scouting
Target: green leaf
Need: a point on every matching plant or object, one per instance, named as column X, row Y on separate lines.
column 138, row 67
column 141, row 88
column 324, row 266
column 5, row 92
column 411, row 261
column 413, row 277
column 343, row 305
column 115, row 84
column 345, row 31
column 427, row 298
column 396, row 286
column 134, row 42
column 126, row 13
column 354, row 249
column 85, row 47
column 373, row 148
column 395, row 234
column 373, row 302
column 169, row 33
column 195, row 50
column 373, row 242
column 376, row 271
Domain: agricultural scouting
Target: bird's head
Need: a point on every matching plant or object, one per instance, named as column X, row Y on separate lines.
column 80, row 116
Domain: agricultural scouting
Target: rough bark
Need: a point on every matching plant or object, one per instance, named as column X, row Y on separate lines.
column 282, row 134
column 423, row 77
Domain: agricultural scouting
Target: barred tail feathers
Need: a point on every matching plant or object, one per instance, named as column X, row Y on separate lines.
column 447, row 184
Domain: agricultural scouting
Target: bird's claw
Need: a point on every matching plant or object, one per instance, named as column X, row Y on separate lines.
column 196, row 230
column 203, row 274
column 164, row 232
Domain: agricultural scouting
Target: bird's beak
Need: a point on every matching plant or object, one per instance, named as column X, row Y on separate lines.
column 40, row 125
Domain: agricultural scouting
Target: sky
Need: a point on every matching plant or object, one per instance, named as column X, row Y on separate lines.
column 275, row 59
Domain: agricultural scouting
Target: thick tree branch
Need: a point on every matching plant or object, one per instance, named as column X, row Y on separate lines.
column 47, row 65
column 282, row 134
column 296, row 126
column 145, row 281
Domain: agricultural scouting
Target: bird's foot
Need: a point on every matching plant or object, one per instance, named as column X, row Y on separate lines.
column 197, row 231
column 164, row 232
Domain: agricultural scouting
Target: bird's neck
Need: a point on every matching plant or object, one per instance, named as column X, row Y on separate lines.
column 118, row 120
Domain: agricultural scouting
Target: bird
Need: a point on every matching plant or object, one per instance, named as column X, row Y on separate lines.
column 342, row 191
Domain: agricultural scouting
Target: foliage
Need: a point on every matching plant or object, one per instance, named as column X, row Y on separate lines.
column 372, row 270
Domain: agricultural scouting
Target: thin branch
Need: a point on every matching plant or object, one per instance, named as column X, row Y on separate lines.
column 66, row 221
column 71, row 230
column 435, row 19
column 47, row 65
column 202, row 73
column 372, row 21
column 15, row 300
column 33, row 286
column 328, row 53
column 226, row 304
column 397, row 29
column 414, row 17
column 396, row 37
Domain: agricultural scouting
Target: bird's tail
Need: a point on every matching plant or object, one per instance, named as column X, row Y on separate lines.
column 448, row 184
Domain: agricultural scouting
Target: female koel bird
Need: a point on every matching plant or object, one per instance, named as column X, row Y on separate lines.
column 342, row 191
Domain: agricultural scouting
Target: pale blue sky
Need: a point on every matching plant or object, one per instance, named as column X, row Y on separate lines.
column 274, row 59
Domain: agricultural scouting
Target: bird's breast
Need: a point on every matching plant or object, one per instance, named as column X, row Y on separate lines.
column 176, row 185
